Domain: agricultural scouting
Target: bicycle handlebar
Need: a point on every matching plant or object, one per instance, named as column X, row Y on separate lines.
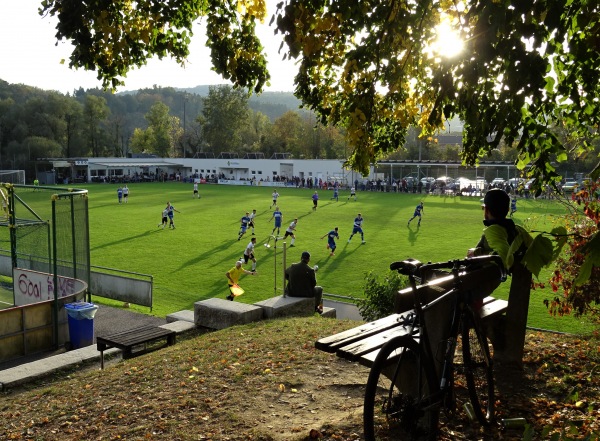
column 413, row 267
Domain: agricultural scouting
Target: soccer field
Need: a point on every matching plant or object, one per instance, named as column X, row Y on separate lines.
column 189, row 263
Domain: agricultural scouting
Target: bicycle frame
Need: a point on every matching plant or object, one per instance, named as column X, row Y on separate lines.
column 459, row 309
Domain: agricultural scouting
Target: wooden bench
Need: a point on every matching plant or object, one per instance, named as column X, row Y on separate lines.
column 127, row 340
column 362, row 344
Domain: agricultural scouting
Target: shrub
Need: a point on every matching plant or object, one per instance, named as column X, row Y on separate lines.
column 378, row 301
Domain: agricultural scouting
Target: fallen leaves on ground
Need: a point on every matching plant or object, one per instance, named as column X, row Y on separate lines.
column 266, row 381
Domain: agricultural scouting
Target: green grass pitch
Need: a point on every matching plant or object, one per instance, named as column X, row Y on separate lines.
column 189, row 263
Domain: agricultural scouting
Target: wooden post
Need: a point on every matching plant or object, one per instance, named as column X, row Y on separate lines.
column 508, row 336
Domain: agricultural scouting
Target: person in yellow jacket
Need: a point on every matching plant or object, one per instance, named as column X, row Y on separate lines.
column 501, row 235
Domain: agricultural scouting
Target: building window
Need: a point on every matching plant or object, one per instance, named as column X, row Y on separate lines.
column 253, row 172
column 260, row 172
column 274, row 173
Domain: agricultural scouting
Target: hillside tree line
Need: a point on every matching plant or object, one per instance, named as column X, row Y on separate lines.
column 36, row 123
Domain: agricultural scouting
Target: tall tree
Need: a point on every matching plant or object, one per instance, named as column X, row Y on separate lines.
column 113, row 39
column 95, row 112
column 225, row 113
column 376, row 67
column 163, row 135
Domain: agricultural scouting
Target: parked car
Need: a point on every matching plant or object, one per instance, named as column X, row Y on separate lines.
column 570, row 186
column 445, row 179
column 515, row 182
column 428, row 180
column 498, row 182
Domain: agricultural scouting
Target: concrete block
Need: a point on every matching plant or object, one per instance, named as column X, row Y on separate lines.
column 280, row 306
column 179, row 326
column 185, row 316
column 329, row 312
column 220, row 314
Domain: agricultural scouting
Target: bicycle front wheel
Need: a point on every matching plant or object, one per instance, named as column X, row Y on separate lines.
column 400, row 396
column 478, row 371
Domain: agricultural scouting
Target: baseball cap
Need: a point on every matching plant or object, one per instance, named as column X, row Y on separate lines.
column 305, row 255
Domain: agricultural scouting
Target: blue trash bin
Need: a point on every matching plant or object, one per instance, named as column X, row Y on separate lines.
column 80, row 317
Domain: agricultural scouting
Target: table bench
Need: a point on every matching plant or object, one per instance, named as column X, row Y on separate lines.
column 362, row 344
column 127, row 340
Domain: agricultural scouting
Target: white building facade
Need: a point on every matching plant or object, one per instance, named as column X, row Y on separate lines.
column 225, row 171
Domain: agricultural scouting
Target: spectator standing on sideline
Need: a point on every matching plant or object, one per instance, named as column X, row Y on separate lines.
column 291, row 231
column 357, row 228
column 278, row 216
column 418, row 211
column 233, row 277
column 315, row 199
column 245, row 220
column 249, row 253
column 252, row 216
column 352, row 193
column 120, row 194
column 165, row 218
column 171, row 213
column 331, row 237
column 275, row 196
column 302, row 281
column 125, row 194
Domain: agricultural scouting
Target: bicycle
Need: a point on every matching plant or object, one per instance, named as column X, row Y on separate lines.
column 406, row 388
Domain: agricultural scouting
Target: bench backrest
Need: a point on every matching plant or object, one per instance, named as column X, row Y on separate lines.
column 478, row 283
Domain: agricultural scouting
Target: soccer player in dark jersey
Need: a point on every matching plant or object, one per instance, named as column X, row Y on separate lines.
column 418, row 212
column 331, row 237
column 357, row 228
column 245, row 220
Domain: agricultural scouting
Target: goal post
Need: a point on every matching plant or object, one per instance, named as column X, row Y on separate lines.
column 12, row 176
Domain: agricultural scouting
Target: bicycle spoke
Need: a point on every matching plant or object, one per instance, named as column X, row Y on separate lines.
column 479, row 372
column 397, row 398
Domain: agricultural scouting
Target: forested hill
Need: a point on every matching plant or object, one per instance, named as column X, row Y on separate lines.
column 272, row 104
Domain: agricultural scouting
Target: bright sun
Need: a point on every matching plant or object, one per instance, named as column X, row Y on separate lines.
column 448, row 43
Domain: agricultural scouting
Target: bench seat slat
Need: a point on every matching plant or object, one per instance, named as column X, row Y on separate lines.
column 358, row 349
column 333, row 342
column 368, row 359
column 491, row 307
column 134, row 337
column 128, row 339
column 362, row 344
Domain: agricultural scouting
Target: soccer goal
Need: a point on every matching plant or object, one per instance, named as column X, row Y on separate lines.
column 13, row 176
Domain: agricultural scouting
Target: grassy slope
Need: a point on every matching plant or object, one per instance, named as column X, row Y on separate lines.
column 189, row 263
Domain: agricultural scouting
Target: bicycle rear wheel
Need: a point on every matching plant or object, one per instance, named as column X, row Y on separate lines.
column 398, row 399
column 478, row 371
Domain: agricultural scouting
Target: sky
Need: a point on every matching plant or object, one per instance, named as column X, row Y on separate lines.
column 29, row 55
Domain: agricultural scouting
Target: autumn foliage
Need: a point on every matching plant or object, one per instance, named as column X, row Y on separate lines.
column 576, row 278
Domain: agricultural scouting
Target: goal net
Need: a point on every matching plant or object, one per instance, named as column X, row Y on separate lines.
column 13, row 176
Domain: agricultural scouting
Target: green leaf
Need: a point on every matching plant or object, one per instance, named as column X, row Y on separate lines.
column 539, row 254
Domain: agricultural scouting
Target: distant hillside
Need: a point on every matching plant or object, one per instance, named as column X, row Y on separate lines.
column 272, row 104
